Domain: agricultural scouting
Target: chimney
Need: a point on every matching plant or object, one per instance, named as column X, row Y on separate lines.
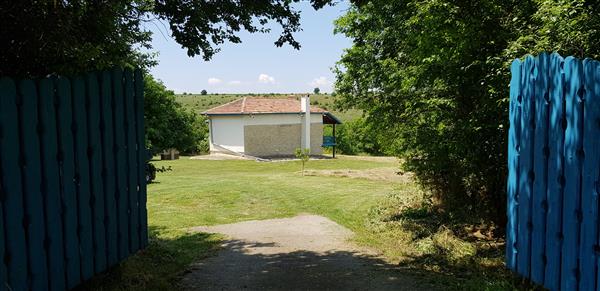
column 305, row 108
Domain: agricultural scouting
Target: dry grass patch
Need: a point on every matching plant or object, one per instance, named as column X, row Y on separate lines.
column 389, row 174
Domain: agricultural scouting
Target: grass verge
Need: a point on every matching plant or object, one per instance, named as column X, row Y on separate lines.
column 451, row 253
column 391, row 216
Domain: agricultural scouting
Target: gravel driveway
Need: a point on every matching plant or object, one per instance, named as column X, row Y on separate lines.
column 306, row 252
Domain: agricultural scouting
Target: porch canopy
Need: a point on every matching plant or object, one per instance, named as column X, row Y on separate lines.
column 329, row 118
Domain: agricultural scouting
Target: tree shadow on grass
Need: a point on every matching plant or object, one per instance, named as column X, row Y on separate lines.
column 202, row 261
column 250, row 265
column 159, row 265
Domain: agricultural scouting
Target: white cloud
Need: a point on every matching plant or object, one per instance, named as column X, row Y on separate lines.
column 214, row 81
column 320, row 82
column 266, row 79
column 234, row 83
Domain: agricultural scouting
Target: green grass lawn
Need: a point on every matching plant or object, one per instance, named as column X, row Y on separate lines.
column 204, row 192
column 199, row 192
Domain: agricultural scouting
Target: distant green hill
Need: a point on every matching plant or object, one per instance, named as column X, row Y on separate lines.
column 199, row 103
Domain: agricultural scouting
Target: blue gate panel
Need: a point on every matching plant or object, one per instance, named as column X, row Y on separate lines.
column 72, row 189
column 554, row 172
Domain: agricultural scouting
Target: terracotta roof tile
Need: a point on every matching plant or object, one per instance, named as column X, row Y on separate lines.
column 248, row 105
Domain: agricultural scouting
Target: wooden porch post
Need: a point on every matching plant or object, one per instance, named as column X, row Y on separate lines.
column 334, row 141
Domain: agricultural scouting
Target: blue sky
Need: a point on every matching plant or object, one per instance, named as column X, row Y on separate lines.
column 257, row 65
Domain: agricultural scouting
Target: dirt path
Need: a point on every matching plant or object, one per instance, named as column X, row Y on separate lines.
column 306, row 252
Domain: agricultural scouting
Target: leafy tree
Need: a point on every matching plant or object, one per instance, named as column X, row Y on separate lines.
column 432, row 78
column 570, row 27
column 168, row 124
column 203, row 92
column 317, row 90
column 71, row 36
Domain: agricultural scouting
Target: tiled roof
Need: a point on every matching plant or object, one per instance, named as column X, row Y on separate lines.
column 249, row 105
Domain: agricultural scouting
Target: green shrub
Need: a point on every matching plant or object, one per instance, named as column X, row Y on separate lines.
column 169, row 124
column 359, row 137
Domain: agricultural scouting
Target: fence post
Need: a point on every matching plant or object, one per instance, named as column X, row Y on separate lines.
column 51, row 186
column 68, row 187
column 573, row 161
column 120, row 163
column 555, row 174
column 32, row 181
column 16, row 260
column 141, row 155
column 82, row 178
column 591, row 162
column 108, row 164
column 132, row 165
column 95, row 170
column 526, row 167
column 539, row 205
column 3, row 273
column 513, row 164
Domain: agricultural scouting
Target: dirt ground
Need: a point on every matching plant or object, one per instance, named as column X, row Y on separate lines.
column 381, row 174
column 306, row 252
column 221, row 157
column 370, row 158
column 218, row 157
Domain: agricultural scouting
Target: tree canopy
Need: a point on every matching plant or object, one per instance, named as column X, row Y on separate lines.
column 70, row 36
column 432, row 77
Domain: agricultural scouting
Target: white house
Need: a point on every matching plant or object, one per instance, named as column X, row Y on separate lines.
column 268, row 127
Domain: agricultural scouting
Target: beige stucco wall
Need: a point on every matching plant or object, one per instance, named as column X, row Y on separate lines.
column 316, row 139
column 280, row 139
